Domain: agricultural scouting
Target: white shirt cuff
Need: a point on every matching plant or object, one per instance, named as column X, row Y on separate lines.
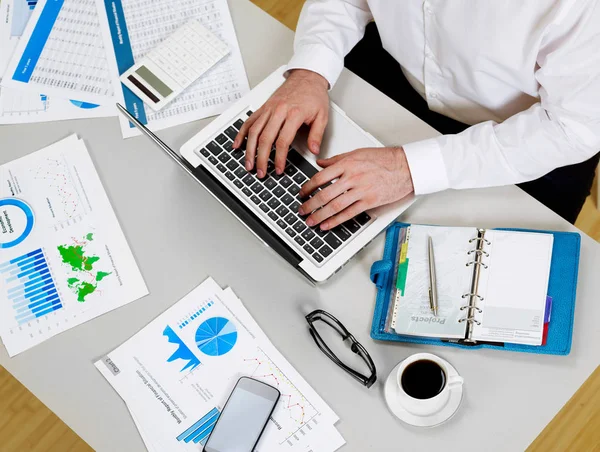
column 426, row 166
column 320, row 59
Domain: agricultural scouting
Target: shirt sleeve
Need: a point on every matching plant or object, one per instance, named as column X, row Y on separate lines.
column 327, row 30
column 563, row 128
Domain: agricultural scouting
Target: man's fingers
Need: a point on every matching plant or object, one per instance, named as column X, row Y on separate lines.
column 266, row 139
column 321, row 178
column 324, row 163
column 253, row 134
column 332, row 208
column 243, row 133
column 286, row 136
column 323, row 197
column 317, row 129
column 345, row 215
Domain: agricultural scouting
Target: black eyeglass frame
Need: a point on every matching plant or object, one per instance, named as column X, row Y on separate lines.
column 355, row 346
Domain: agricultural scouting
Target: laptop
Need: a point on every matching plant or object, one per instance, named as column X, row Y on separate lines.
column 268, row 207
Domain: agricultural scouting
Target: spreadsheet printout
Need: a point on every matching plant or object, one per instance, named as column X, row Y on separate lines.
column 19, row 106
column 62, row 53
column 132, row 28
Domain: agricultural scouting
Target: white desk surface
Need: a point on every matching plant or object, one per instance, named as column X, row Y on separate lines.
column 180, row 235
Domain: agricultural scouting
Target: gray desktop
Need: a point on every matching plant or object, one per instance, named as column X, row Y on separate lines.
column 180, row 235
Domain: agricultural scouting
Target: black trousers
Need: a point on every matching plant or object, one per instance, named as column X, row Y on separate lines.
column 563, row 190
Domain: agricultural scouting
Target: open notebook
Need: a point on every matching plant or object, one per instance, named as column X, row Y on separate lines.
column 492, row 285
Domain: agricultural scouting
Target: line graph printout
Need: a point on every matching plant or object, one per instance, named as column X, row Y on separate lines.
column 170, row 377
column 297, row 412
column 64, row 259
column 19, row 106
column 132, row 28
column 62, row 53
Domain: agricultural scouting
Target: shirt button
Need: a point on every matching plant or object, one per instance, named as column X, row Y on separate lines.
column 428, row 9
column 433, row 95
column 428, row 54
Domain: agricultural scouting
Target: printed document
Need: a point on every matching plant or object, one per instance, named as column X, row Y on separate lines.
column 62, row 53
column 63, row 256
column 18, row 106
column 132, row 28
column 175, row 376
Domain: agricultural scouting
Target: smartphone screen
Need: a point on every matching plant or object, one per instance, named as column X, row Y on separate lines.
column 244, row 417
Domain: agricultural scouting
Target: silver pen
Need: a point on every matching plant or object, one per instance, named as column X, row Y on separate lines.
column 433, row 299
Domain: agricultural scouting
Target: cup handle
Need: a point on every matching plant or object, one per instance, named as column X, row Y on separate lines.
column 455, row 381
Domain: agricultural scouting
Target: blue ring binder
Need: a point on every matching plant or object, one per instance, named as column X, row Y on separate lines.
column 562, row 288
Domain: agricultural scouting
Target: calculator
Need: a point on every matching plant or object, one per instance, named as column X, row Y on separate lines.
column 180, row 60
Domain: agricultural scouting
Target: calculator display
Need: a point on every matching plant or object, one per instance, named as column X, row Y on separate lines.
column 154, row 81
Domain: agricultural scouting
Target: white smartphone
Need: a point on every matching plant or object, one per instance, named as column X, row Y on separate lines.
column 244, row 417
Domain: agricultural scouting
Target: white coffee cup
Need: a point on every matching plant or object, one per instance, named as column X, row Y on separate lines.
column 427, row 407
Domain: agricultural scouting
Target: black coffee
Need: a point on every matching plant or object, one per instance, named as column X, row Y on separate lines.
column 423, row 379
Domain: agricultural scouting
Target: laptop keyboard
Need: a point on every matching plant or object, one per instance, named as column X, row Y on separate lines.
column 275, row 197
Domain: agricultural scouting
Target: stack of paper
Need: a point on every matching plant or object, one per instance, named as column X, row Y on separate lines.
column 132, row 28
column 27, row 103
column 63, row 257
column 175, row 376
column 61, row 59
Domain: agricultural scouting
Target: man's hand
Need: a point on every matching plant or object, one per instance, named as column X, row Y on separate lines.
column 367, row 178
column 302, row 99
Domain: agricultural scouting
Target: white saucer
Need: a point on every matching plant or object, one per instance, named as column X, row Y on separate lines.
column 391, row 391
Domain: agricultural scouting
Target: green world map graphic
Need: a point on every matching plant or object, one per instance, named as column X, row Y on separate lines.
column 86, row 276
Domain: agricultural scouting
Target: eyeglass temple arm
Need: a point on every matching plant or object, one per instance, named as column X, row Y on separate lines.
column 327, row 351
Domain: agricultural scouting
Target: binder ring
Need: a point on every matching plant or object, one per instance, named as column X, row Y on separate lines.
column 477, row 263
column 472, row 295
column 487, row 242
column 470, row 320
column 480, row 252
column 462, row 308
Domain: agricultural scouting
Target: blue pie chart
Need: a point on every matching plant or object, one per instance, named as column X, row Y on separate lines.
column 216, row 336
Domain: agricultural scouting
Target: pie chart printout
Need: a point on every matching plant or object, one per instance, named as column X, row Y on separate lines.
column 216, row 336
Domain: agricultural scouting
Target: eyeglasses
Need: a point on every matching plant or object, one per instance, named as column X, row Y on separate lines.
column 355, row 346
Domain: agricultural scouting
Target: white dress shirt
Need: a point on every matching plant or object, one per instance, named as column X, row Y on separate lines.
column 524, row 73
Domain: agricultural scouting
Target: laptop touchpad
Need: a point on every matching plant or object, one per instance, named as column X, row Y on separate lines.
column 341, row 135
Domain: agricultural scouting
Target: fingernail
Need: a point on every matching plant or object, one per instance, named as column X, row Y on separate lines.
column 324, row 226
column 260, row 173
column 310, row 222
column 315, row 148
column 301, row 211
column 279, row 171
column 248, row 165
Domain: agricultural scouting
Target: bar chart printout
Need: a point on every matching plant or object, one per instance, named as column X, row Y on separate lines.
column 199, row 432
column 30, row 286
column 64, row 259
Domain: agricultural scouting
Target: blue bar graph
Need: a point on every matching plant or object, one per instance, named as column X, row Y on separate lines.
column 200, row 431
column 194, row 314
column 30, row 286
